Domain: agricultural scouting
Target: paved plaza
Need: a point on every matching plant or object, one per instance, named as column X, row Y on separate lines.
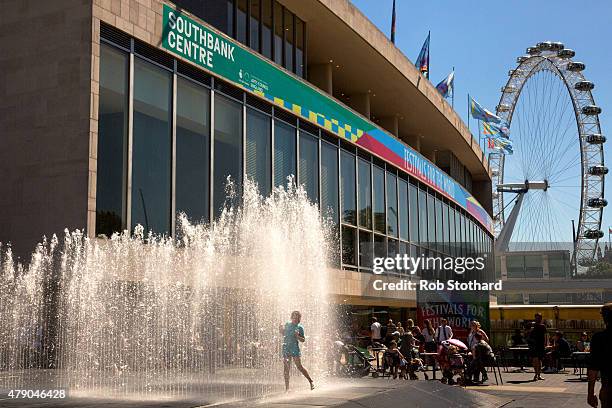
column 557, row 390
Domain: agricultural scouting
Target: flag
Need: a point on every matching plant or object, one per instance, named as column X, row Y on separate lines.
column 609, row 230
column 480, row 113
column 494, row 129
column 393, row 24
column 422, row 62
column 501, row 144
column 446, row 86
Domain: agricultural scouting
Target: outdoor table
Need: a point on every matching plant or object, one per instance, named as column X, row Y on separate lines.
column 434, row 364
column 521, row 351
column 580, row 358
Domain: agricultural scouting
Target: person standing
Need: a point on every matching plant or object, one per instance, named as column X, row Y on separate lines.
column 429, row 336
column 601, row 362
column 293, row 334
column 444, row 331
column 375, row 331
column 475, row 328
column 537, row 345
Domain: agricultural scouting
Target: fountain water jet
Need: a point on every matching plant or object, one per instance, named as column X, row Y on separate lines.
column 150, row 315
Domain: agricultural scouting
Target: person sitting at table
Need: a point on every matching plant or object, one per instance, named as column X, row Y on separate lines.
column 560, row 349
column 582, row 344
column 517, row 338
column 395, row 360
column 482, row 355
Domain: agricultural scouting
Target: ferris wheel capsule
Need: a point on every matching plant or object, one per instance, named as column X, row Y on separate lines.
column 566, row 53
column 503, row 107
column 591, row 110
column 508, row 89
column 576, row 66
column 584, row 86
column 533, row 51
column 593, row 234
column 521, row 59
column 597, row 202
column 598, row 170
column 544, row 46
column 596, row 139
column 556, row 46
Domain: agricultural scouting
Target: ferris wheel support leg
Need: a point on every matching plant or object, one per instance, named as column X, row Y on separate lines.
column 501, row 244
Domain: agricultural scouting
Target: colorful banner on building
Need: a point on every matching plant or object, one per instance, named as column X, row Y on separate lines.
column 458, row 307
column 224, row 57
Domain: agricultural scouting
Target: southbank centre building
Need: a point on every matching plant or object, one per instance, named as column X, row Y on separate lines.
column 127, row 112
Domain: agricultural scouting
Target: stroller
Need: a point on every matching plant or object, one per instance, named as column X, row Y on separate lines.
column 451, row 364
column 349, row 361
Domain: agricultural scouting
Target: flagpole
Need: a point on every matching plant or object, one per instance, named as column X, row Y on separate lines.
column 453, row 96
column 468, row 105
column 479, row 138
column 428, row 48
column 393, row 24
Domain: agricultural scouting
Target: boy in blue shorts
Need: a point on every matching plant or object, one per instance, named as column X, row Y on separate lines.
column 293, row 334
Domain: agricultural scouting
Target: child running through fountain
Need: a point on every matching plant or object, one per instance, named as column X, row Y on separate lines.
column 293, row 334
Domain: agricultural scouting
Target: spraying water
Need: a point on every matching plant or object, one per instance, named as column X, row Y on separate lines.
column 150, row 315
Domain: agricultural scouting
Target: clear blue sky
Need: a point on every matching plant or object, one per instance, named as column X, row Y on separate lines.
column 482, row 40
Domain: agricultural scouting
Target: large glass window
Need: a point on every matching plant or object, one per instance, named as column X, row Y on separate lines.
column 299, row 47
column 151, row 148
column 414, row 213
column 392, row 204
column 349, row 246
column 241, row 21
column 228, row 149
column 288, row 40
column 423, row 218
column 431, row 221
column 254, row 24
column 309, row 165
column 439, row 221
column 533, row 266
column 378, row 176
column 192, row 150
column 284, row 152
column 266, row 28
column 365, row 194
column 278, row 33
column 258, row 150
column 445, row 228
column 558, row 265
column 380, row 246
column 403, row 208
column 112, row 141
column 451, row 230
column 329, row 180
column 366, row 249
column 347, row 187
column 218, row 13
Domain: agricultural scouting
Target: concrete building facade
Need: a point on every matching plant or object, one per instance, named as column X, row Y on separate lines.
column 406, row 175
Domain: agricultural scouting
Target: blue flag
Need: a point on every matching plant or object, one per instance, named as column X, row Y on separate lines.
column 446, row 86
column 495, row 129
column 500, row 144
column 422, row 62
column 480, row 113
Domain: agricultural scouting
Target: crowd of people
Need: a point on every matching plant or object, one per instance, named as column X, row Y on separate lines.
column 404, row 349
column 408, row 347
